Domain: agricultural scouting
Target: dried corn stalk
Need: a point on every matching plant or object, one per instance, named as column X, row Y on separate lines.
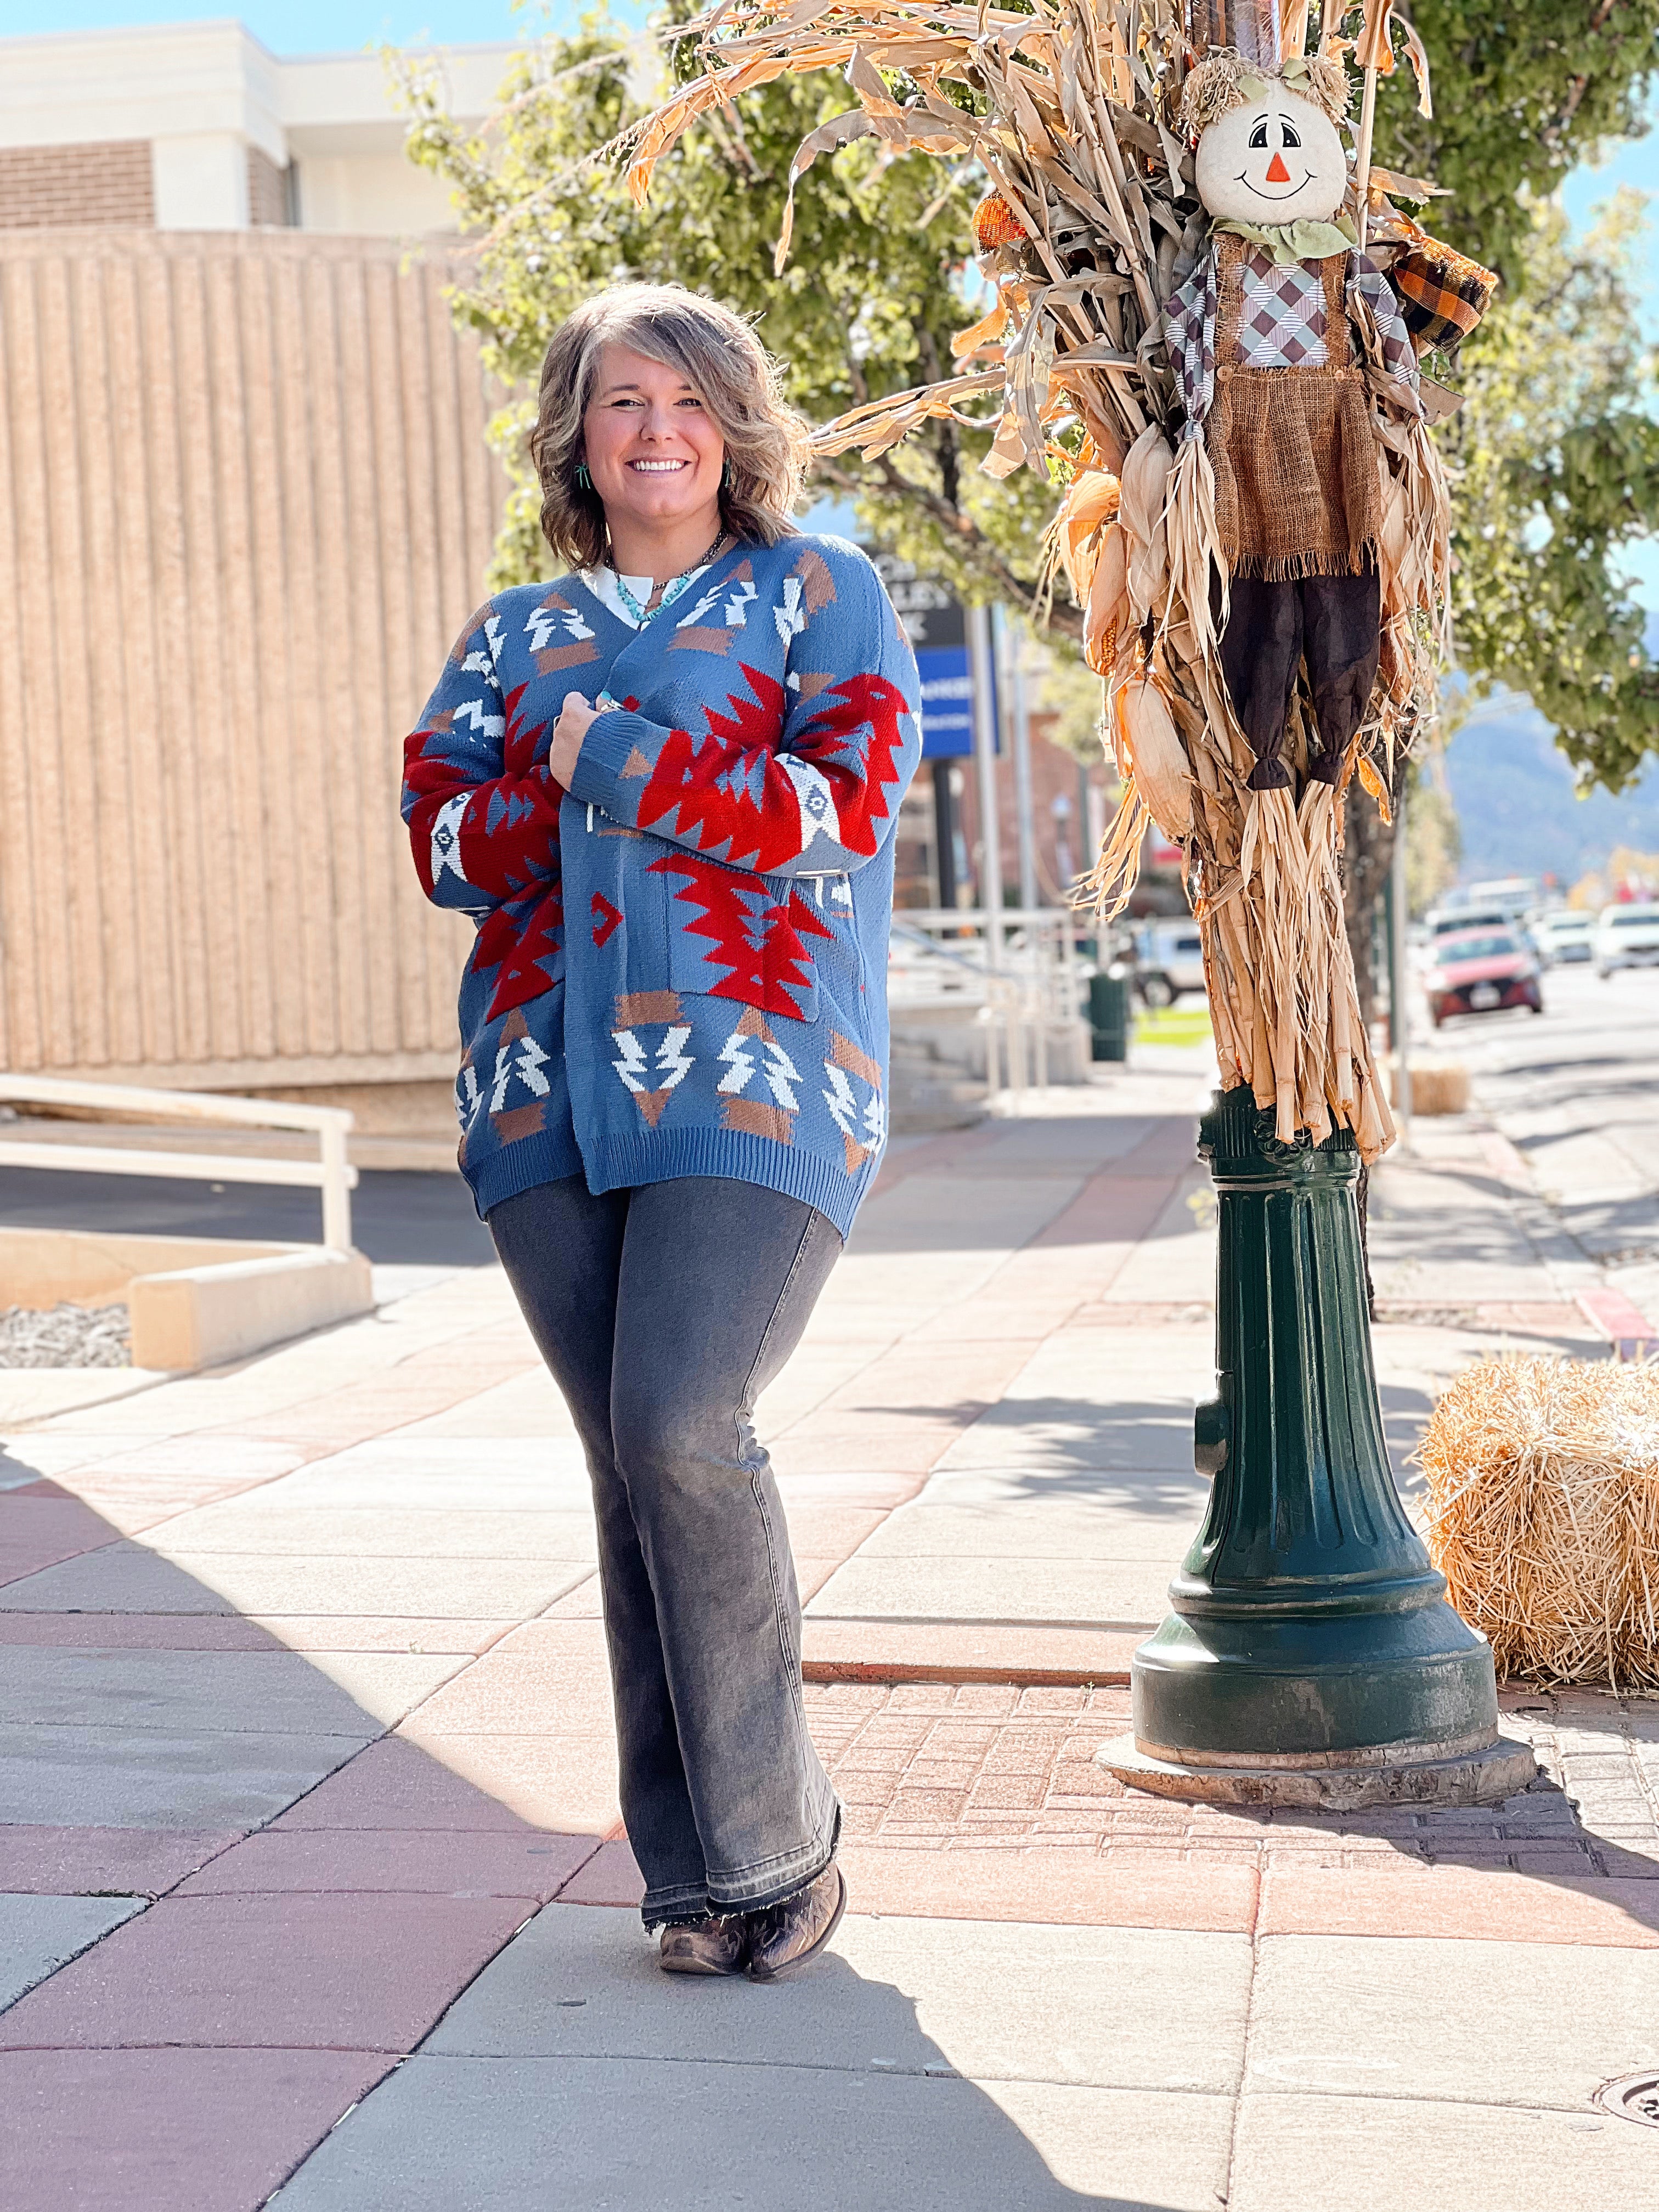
column 1067, row 109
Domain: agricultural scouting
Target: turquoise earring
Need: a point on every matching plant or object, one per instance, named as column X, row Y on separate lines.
column 583, row 477
column 726, row 476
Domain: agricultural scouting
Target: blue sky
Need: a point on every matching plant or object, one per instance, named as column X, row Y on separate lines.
column 299, row 26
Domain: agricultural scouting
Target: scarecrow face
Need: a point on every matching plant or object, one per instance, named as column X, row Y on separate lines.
column 1278, row 159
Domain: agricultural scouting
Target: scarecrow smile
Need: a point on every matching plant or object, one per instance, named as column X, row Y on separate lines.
column 1263, row 194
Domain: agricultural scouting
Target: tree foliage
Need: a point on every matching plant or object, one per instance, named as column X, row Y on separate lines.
column 867, row 304
column 1556, row 468
column 1557, row 456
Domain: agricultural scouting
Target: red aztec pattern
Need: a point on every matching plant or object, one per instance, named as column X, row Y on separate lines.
column 509, row 843
column 704, row 789
column 760, row 939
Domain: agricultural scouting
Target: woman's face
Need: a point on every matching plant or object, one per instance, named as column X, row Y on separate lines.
column 652, row 447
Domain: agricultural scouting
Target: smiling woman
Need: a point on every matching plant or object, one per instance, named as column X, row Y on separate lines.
column 675, row 1034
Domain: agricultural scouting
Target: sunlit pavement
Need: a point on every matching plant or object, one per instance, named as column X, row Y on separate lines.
column 314, row 1882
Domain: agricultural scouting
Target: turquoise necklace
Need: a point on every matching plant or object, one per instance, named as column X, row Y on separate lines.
column 642, row 611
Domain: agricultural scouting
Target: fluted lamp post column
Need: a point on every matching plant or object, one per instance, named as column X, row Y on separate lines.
column 1311, row 1657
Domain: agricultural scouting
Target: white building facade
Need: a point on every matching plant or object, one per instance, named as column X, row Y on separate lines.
column 196, row 127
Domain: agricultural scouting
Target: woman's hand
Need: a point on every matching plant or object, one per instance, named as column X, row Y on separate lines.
column 569, row 730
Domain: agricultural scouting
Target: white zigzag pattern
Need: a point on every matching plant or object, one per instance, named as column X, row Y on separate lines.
column 739, row 1060
column 673, row 1061
column 782, row 1074
column 631, row 1066
column 839, row 1099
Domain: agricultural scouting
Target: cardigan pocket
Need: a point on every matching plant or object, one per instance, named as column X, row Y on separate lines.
column 734, row 934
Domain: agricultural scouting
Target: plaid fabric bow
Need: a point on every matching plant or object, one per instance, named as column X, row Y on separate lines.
column 1443, row 293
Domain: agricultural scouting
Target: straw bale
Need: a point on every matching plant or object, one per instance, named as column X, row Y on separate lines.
column 1439, row 1087
column 1543, row 1514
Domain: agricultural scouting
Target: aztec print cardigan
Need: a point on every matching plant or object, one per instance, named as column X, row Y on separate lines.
column 681, row 963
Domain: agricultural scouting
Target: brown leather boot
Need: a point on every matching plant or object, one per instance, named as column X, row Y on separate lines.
column 705, row 1947
column 785, row 1937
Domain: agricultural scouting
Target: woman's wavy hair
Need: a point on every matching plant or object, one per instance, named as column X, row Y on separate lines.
column 725, row 363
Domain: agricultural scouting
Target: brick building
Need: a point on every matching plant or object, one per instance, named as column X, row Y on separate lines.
column 195, row 127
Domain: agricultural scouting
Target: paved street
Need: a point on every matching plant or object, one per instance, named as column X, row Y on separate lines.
column 314, row 1890
column 1575, row 1093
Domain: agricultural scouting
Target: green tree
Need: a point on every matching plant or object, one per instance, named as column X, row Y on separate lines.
column 1556, row 463
column 865, row 305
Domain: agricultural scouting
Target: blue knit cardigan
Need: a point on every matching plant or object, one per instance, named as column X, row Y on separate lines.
column 681, row 963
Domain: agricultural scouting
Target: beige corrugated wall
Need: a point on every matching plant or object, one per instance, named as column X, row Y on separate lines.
column 245, row 509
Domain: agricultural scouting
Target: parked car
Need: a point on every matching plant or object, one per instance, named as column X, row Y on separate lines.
column 1481, row 972
column 1168, row 960
column 1564, row 937
column 1451, row 921
column 1626, row 936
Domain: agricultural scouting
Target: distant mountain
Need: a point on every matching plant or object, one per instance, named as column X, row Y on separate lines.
column 1517, row 807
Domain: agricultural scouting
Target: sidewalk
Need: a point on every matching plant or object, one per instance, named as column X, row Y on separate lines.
column 305, row 1743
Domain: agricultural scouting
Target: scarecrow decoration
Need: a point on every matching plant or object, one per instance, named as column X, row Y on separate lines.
column 1207, row 323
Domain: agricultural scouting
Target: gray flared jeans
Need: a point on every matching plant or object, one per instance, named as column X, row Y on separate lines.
column 662, row 1313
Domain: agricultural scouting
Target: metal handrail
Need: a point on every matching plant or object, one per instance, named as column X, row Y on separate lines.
column 1029, row 990
column 332, row 1172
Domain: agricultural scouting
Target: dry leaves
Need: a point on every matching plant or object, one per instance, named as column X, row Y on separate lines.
column 1067, row 109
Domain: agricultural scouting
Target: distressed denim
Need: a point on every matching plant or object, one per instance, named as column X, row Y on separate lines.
column 662, row 1313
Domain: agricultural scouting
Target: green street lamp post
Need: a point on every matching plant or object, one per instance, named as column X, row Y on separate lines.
column 1311, row 1657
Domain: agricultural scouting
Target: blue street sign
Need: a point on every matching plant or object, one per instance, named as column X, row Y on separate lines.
column 938, row 631
column 947, row 702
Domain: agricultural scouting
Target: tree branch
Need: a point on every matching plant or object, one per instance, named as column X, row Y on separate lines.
column 968, row 541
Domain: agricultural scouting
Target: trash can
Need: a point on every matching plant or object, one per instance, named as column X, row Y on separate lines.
column 1108, row 1017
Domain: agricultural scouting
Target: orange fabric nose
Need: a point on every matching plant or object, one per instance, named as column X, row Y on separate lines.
column 1277, row 172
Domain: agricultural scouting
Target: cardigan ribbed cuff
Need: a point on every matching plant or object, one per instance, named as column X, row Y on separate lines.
column 597, row 778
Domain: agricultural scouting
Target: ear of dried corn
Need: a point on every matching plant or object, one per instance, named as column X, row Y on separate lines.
column 1071, row 109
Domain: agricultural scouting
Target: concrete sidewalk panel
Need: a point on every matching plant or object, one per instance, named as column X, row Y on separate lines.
column 435, row 1862
column 187, row 2130
column 119, row 1777
column 566, row 1781
column 235, row 1631
column 44, row 1862
column 462, row 2135
column 1065, row 1527
column 1014, row 2002
column 331, row 1971
column 37, row 1529
column 1090, row 1593
column 1361, row 2154
column 38, row 1935
column 264, row 1692
column 526, row 1407
column 1063, row 1884
column 1476, row 2022
column 508, row 1694
column 394, row 1784
column 274, row 1524
column 1472, row 1903
column 130, row 1578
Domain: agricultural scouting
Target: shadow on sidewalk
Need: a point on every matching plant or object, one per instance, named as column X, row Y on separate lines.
column 318, row 1899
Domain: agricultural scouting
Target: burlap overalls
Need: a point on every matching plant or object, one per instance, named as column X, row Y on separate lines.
column 1298, row 511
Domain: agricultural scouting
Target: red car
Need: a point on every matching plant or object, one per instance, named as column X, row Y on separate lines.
column 1481, row 973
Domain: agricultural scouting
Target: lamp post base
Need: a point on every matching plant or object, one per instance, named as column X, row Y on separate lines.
column 1310, row 1658
column 1396, row 1775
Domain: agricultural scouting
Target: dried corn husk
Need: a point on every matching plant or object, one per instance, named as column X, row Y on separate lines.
column 1095, row 218
column 1543, row 1514
column 1107, row 617
column 1091, row 504
column 1156, row 758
